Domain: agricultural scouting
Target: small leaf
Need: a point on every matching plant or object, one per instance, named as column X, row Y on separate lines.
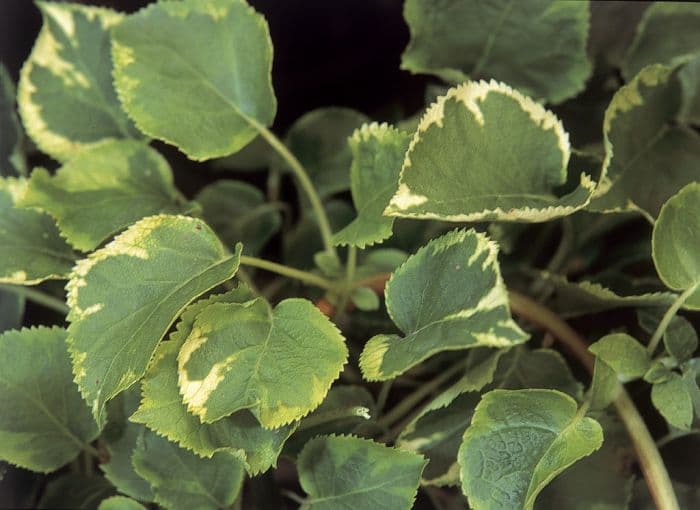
column 182, row 480
column 503, row 39
column 243, row 356
column 103, row 190
column 31, row 249
column 329, row 264
column 66, row 96
column 499, row 156
column 604, row 385
column 675, row 243
column 448, row 296
column 378, row 153
column 124, row 297
column 658, row 373
column 681, row 339
column 120, row 503
column 74, row 490
column 623, row 354
column 12, row 161
column 673, row 401
column 518, row 442
column 49, row 424
column 365, row 299
column 210, row 110
column 349, row 472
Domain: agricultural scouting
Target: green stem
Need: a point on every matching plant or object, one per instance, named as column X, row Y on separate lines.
column 38, row 297
column 349, row 277
column 287, row 271
column 293, row 496
column 383, row 395
column 668, row 317
column 336, row 414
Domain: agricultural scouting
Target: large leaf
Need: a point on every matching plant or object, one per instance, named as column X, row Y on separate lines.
column 448, row 296
column 163, row 411
column 349, row 472
column 676, row 243
column 242, row 356
column 484, row 152
column 196, row 74
column 124, row 297
column 66, row 96
column 31, row 249
column 518, row 442
column 45, row 423
column 538, row 46
column 12, row 160
column 182, row 480
column 378, row 152
column 103, row 190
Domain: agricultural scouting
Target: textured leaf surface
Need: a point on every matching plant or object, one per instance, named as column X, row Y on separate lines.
column 12, row 160
column 163, row 410
column 31, row 249
column 507, row 40
column 676, row 243
column 120, row 503
column 238, row 213
column 103, row 190
column 124, row 297
column 66, row 96
column 209, row 110
column 681, row 339
column 486, row 152
column 518, row 442
column 448, row 296
column 623, row 354
column 673, row 401
column 182, row 480
column 243, row 356
column 49, row 424
column 346, row 472
column 378, row 153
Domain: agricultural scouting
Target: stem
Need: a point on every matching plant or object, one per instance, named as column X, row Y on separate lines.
column 293, row 496
column 38, row 297
column 287, row 271
column 668, row 317
column 336, row 414
column 650, row 461
column 383, row 395
column 349, row 277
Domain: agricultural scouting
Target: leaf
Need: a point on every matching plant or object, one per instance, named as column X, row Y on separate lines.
column 73, row 490
column 120, row 503
column 378, row 152
column 49, row 424
column 31, row 249
column 163, row 411
column 449, row 295
column 182, row 480
column 210, row 110
column 504, row 39
column 11, row 310
column 485, row 152
column 124, row 297
column 243, row 356
column 12, row 161
column 66, row 96
column 680, row 339
column 349, row 472
column 518, row 442
column 649, row 157
column 673, row 401
column 365, row 299
column 689, row 76
column 604, row 385
column 103, row 190
column 238, row 213
column 623, row 354
column 675, row 243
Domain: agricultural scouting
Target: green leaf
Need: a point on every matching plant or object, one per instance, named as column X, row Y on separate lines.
column 49, row 424
column 242, row 356
column 120, row 503
column 518, row 442
column 673, row 401
column 103, row 190
column 667, row 33
column 604, row 385
column 675, row 243
column 170, row 79
column 448, row 296
column 182, row 480
column 349, row 472
column 681, row 339
column 498, row 154
column 504, row 39
column 66, row 96
column 365, row 299
column 238, row 213
column 689, row 76
column 648, row 156
column 163, row 411
column 658, row 373
column 124, row 297
column 378, row 152
column 74, row 490
column 624, row 354
column 12, row 161
column 31, row 249
column 11, row 310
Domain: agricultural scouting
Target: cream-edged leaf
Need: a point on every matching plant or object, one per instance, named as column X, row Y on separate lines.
column 449, row 295
column 124, row 297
